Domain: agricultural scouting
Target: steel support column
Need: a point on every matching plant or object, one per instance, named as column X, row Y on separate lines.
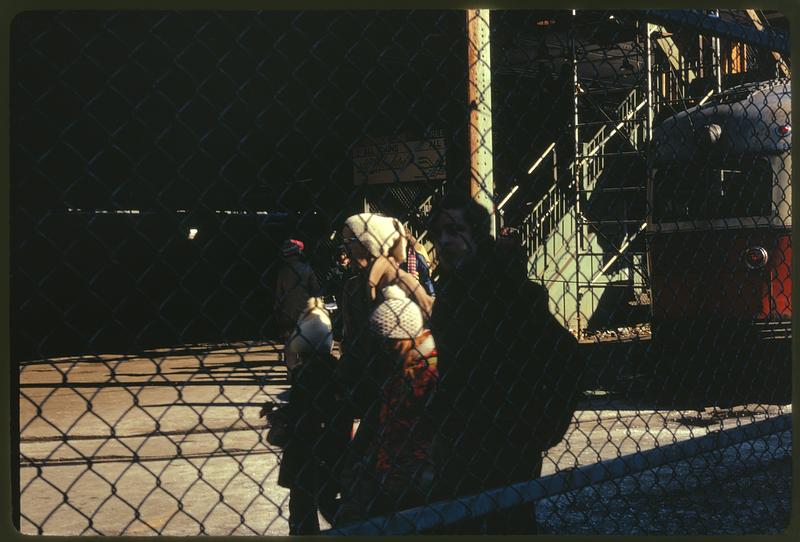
column 480, row 115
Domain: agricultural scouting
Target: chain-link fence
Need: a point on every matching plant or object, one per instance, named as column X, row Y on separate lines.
column 484, row 271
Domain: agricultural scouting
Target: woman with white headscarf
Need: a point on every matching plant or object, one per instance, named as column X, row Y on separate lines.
column 377, row 244
column 388, row 366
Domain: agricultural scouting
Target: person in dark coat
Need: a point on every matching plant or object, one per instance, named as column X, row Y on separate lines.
column 296, row 282
column 319, row 435
column 509, row 372
column 340, row 272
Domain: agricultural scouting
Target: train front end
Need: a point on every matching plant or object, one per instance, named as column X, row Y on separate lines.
column 719, row 237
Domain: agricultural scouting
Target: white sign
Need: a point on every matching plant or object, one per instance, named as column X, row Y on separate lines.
column 400, row 161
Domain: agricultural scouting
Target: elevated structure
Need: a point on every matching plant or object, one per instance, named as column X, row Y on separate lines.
column 584, row 236
column 621, row 72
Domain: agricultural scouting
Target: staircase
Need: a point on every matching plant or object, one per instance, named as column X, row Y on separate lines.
column 570, row 251
column 417, row 224
column 585, row 238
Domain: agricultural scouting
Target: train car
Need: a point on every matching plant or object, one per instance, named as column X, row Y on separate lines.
column 719, row 238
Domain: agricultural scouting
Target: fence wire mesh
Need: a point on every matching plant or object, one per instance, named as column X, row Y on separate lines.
column 468, row 272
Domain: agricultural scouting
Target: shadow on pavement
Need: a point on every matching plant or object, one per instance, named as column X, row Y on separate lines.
column 658, row 375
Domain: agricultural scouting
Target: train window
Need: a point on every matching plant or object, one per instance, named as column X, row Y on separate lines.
column 673, row 198
column 739, row 188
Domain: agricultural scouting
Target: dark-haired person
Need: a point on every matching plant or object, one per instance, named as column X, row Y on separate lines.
column 509, row 372
column 340, row 272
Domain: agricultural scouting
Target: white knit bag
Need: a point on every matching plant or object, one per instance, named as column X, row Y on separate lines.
column 397, row 317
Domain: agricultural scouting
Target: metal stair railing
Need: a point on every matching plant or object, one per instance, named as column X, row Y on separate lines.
column 426, row 205
column 627, row 110
column 543, row 216
column 594, row 155
column 553, row 206
column 424, row 209
column 543, row 219
column 620, row 252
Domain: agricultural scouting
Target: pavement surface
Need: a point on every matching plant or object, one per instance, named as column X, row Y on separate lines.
column 171, row 443
column 738, row 490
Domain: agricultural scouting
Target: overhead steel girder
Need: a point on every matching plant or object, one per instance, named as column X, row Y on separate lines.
column 715, row 26
column 782, row 65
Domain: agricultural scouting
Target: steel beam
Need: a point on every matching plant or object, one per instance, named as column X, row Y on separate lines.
column 715, row 26
column 781, row 63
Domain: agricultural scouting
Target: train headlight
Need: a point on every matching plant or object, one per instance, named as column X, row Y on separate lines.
column 755, row 258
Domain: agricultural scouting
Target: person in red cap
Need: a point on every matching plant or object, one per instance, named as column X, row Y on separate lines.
column 296, row 283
